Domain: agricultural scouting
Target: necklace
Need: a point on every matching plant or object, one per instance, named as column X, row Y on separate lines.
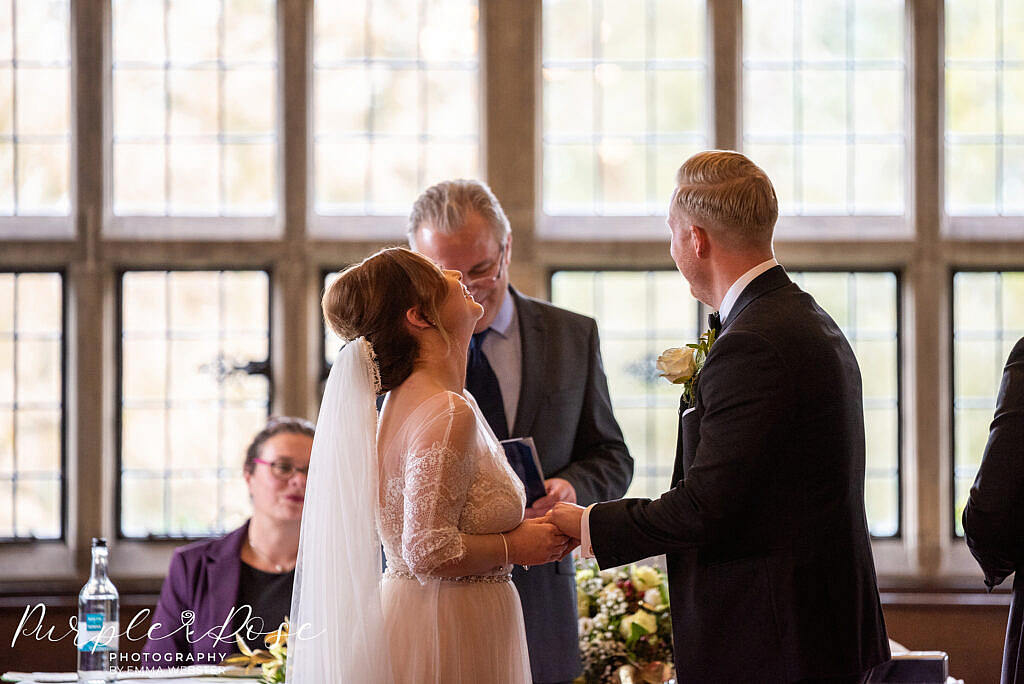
column 278, row 567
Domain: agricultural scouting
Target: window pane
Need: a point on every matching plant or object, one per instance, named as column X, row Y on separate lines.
column 988, row 319
column 194, row 107
column 35, row 120
column 823, row 106
column 865, row 306
column 188, row 406
column 396, row 101
column 625, row 96
column 984, row 107
column 640, row 314
column 31, row 406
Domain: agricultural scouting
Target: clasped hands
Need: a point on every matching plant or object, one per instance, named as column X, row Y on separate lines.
column 548, row 538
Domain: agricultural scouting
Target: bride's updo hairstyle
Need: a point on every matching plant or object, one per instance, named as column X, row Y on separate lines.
column 370, row 300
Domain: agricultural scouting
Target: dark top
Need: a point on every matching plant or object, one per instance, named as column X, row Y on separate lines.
column 269, row 595
column 201, row 587
column 771, row 576
column 994, row 516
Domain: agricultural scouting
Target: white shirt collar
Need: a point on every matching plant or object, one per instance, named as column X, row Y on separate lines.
column 737, row 288
column 503, row 320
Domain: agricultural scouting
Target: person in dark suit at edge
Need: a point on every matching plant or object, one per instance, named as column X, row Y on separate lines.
column 994, row 516
column 536, row 371
column 770, row 569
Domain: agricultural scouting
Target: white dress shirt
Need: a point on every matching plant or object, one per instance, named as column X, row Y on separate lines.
column 724, row 309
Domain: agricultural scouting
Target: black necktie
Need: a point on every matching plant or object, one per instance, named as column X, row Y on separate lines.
column 482, row 383
column 715, row 322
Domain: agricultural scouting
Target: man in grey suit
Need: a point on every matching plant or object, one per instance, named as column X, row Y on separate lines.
column 536, row 372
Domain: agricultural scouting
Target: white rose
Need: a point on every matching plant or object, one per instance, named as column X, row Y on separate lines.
column 677, row 365
column 647, row 621
column 652, row 597
column 608, row 576
column 626, row 626
column 586, row 624
column 644, row 577
column 641, row 618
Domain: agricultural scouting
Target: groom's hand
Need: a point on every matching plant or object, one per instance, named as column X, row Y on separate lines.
column 568, row 518
column 558, row 489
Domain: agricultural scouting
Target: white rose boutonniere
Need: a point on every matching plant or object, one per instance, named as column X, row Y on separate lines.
column 678, row 364
column 682, row 365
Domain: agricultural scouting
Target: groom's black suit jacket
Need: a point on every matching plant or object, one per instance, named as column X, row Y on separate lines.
column 770, row 569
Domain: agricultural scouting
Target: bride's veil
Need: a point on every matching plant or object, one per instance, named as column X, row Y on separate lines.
column 337, row 626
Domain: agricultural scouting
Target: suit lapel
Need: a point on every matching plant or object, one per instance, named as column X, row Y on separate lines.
column 772, row 279
column 534, row 362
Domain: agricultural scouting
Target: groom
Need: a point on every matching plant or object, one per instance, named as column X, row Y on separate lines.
column 770, row 570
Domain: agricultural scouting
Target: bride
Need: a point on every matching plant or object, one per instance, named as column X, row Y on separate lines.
column 428, row 480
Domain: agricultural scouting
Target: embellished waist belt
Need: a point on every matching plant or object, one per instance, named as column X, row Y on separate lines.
column 403, row 574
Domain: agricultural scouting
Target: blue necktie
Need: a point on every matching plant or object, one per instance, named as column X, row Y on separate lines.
column 482, row 383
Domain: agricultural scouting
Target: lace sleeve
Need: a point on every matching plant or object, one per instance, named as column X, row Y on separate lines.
column 438, row 472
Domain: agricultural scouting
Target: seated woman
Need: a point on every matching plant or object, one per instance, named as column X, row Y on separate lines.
column 243, row 580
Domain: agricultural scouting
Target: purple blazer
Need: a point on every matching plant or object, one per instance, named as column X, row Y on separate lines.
column 202, row 581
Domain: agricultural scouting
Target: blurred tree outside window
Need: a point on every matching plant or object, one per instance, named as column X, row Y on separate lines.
column 195, row 389
column 35, row 108
column 988, row 319
column 624, row 101
column 194, row 107
column 984, row 136
column 823, row 103
column 31, row 406
column 396, row 102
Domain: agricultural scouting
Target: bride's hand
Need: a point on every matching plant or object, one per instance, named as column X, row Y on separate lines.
column 536, row 542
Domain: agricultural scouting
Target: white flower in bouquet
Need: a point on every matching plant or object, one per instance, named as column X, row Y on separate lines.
column 608, row 576
column 586, row 624
column 652, row 597
column 644, row 577
column 646, row 621
column 583, row 604
column 611, row 594
column 678, row 364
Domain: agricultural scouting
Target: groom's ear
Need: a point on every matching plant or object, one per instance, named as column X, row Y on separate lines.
column 699, row 240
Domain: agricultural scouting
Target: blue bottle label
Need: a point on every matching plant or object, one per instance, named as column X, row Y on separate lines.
column 97, row 634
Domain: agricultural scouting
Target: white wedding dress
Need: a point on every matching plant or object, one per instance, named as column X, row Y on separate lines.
column 443, row 474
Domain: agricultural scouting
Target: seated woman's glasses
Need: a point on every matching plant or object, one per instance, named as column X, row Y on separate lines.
column 283, row 469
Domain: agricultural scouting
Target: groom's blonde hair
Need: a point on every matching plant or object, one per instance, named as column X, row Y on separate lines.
column 729, row 195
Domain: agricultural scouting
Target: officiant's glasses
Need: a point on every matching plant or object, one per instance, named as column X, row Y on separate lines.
column 283, row 470
column 489, row 276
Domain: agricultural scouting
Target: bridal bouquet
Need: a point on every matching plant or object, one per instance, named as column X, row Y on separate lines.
column 624, row 623
column 271, row 662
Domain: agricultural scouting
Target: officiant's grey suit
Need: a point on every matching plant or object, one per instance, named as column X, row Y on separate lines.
column 771, row 577
column 564, row 405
